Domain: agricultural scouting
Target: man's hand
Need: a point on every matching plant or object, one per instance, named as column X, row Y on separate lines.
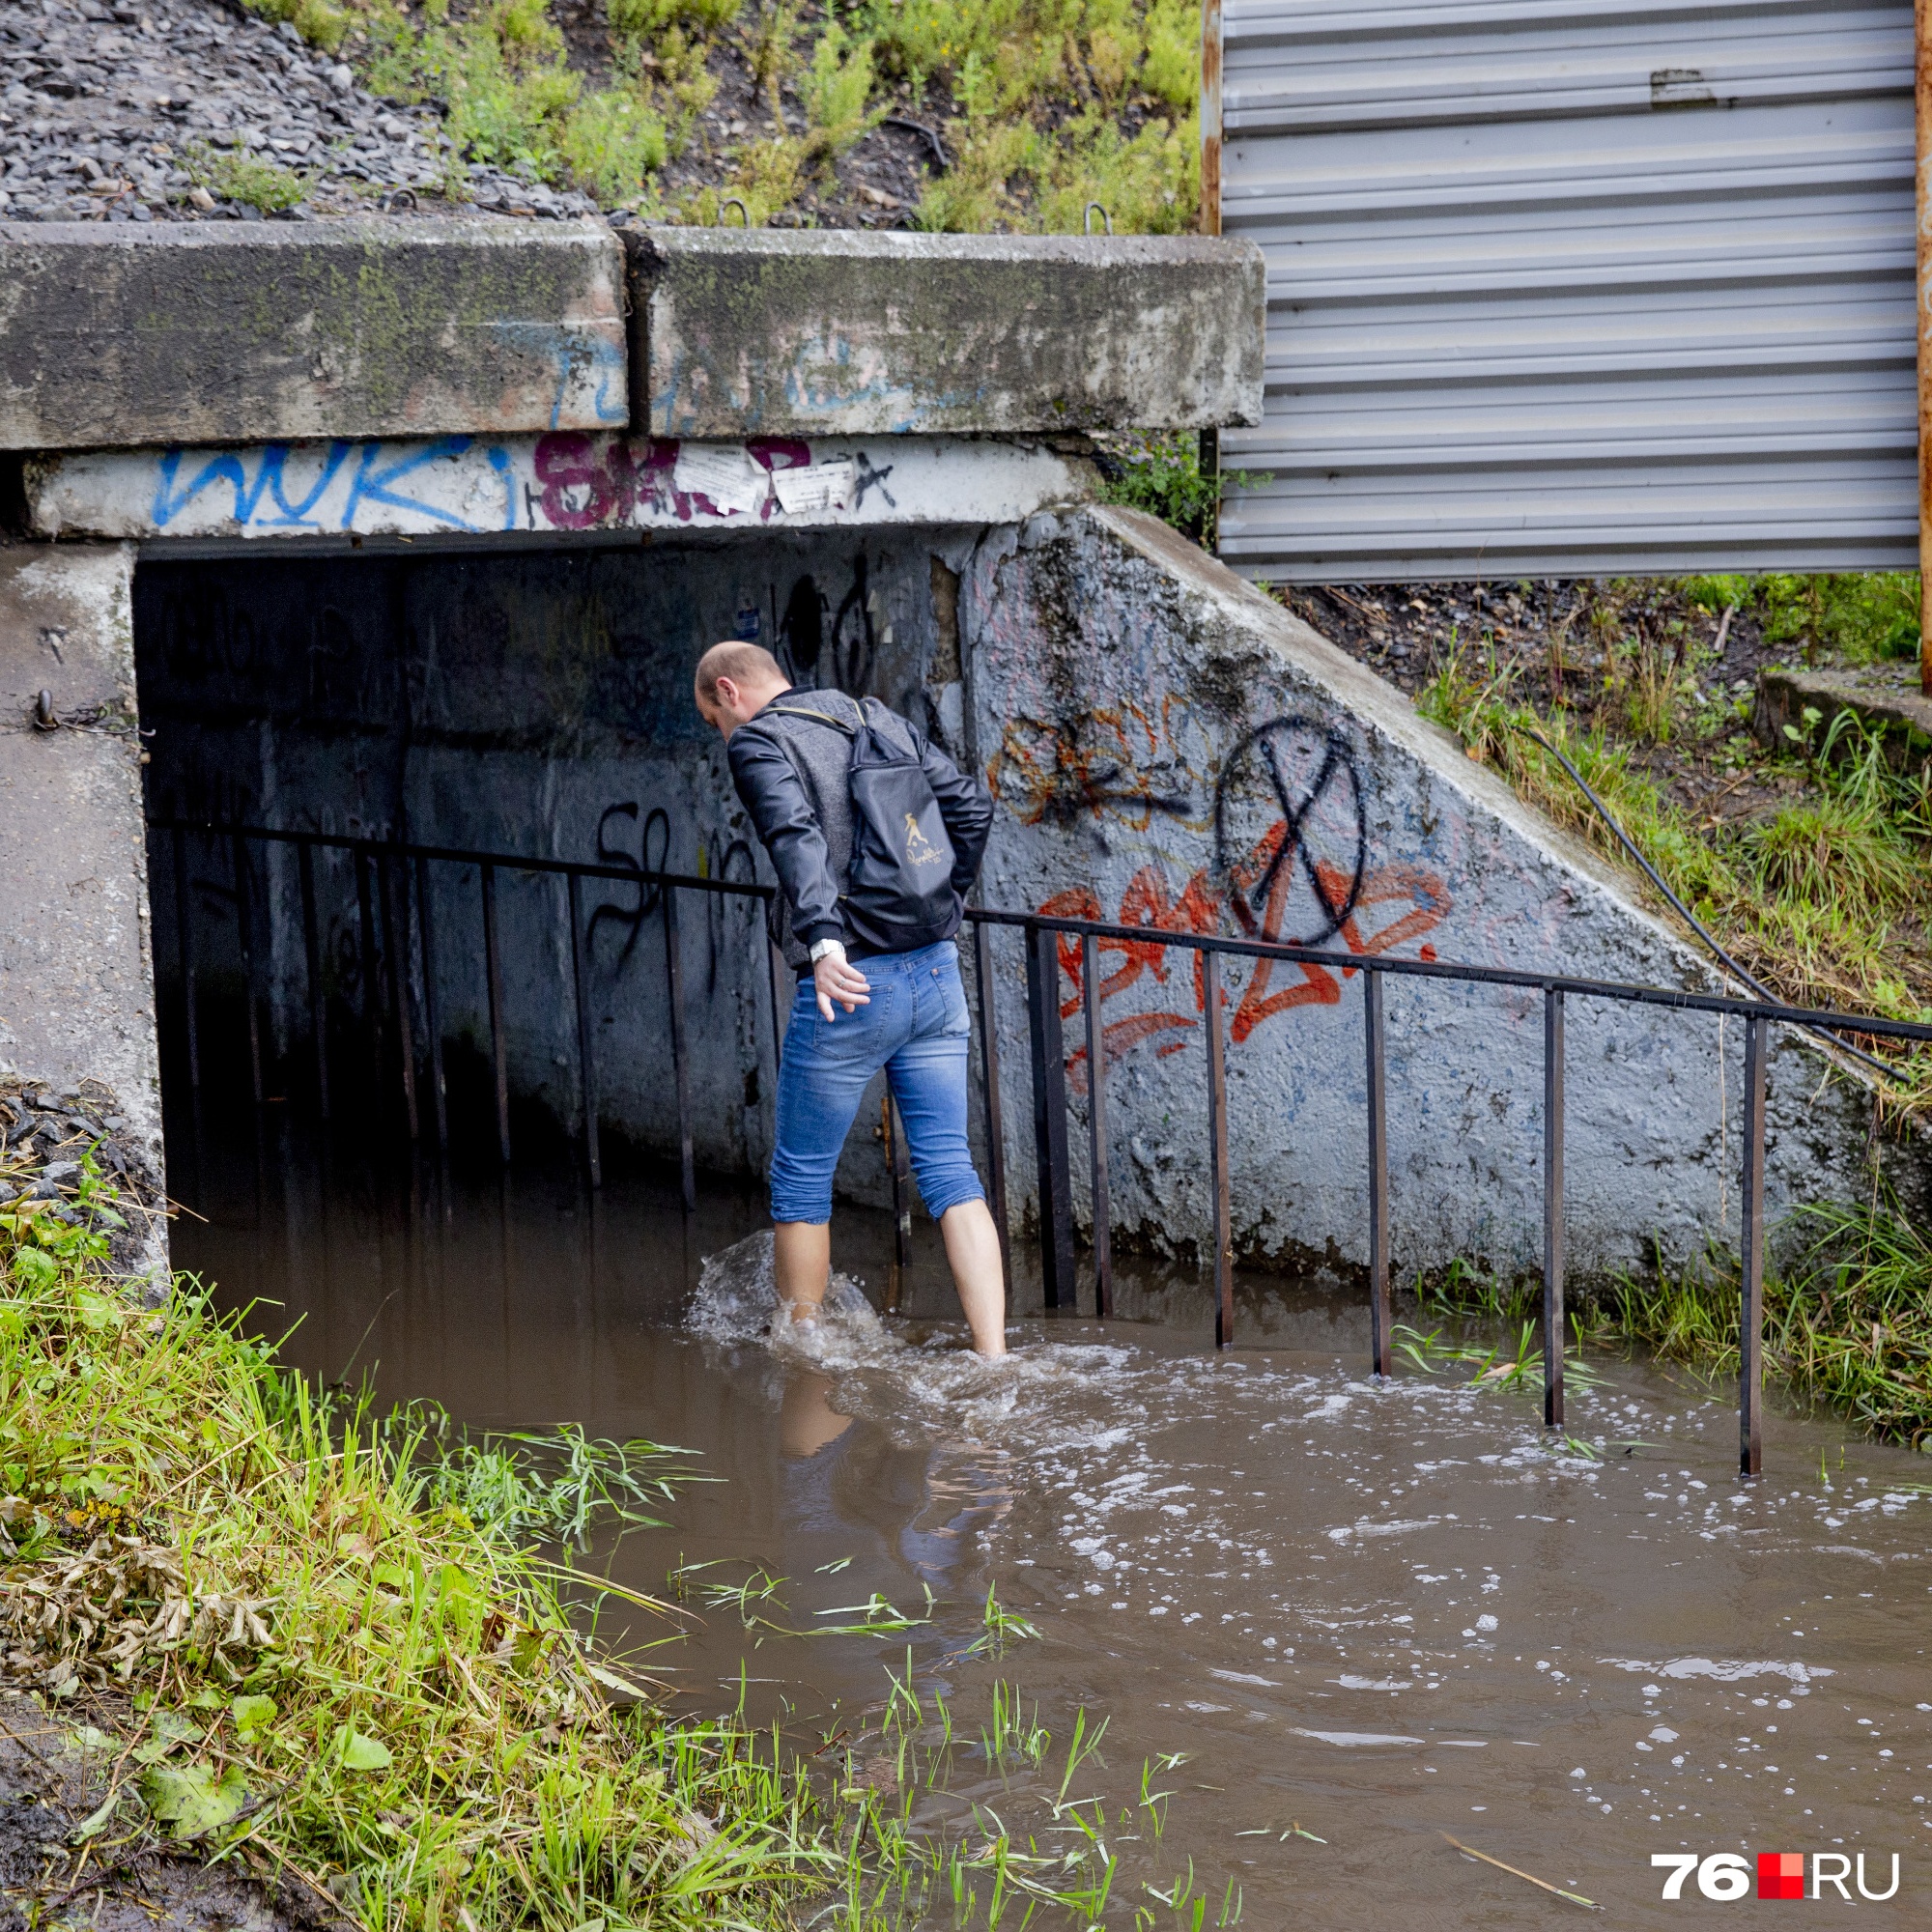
column 835, row 977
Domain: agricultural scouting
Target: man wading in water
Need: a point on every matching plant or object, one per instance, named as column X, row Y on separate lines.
column 874, row 836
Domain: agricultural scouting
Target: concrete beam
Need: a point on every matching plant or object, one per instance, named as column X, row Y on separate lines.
column 794, row 332
column 77, row 979
column 206, row 333
column 561, row 483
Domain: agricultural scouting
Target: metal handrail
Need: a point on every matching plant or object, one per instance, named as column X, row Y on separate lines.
column 391, row 861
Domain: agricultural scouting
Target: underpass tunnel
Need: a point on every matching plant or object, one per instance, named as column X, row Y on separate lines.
column 528, row 702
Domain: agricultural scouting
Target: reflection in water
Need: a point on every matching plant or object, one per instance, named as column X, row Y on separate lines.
column 807, row 1420
column 1379, row 1612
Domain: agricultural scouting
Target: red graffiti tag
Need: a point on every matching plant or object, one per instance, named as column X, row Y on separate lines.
column 590, row 482
column 1147, row 902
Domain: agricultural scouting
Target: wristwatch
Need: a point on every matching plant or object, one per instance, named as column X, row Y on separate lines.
column 821, row 946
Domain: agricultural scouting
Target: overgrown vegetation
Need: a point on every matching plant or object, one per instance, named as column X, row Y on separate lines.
column 1035, row 108
column 1824, row 890
column 318, row 1644
column 1162, row 474
column 1863, row 618
column 1848, row 1317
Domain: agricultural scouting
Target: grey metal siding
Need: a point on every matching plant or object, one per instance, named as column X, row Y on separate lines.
column 1575, row 289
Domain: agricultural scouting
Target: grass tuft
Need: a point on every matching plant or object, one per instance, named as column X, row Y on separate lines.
column 1848, row 1317
column 236, row 175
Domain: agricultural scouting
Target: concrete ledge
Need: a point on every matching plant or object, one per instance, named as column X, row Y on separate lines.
column 120, row 336
column 784, row 332
column 1885, row 699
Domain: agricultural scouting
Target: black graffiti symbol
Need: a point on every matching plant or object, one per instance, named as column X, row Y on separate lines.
column 1271, row 746
column 852, row 654
column 719, row 908
column 631, row 916
column 873, row 479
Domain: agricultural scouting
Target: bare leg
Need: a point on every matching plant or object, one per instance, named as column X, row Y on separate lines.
column 972, row 1248
column 802, row 1262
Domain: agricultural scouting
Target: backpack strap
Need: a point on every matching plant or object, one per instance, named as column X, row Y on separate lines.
column 823, row 716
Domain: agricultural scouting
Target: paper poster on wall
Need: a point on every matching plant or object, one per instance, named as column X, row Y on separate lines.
column 815, row 487
column 723, row 473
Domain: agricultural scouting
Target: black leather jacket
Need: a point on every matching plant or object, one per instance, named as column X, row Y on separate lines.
column 790, row 773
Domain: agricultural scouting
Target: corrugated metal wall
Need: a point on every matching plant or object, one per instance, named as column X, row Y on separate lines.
column 1574, row 288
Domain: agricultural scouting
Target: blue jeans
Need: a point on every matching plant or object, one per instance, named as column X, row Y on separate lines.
column 916, row 1027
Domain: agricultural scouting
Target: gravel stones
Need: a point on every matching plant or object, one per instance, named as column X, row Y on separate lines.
column 103, row 108
column 46, row 1130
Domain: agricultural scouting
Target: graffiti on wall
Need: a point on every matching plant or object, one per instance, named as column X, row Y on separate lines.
column 562, row 481
column 1291, row 864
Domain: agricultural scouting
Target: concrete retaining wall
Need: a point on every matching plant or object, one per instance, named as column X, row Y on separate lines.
column 76, row 996
column 1158, row 732
column 124, row 337
column 784, row 333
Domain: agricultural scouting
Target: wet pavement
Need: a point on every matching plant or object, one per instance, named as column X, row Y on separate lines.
column 1367, row 1616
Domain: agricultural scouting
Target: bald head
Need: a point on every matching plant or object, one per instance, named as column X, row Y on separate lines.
column 735, row 681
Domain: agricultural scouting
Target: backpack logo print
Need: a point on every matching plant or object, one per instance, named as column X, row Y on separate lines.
column 919, row 849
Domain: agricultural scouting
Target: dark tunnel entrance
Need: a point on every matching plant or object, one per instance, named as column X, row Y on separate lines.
column 534, row 702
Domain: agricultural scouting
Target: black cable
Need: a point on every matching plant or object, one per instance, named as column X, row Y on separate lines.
column 1684, row 913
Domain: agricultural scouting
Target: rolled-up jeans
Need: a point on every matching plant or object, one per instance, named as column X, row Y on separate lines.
column 916, row 1027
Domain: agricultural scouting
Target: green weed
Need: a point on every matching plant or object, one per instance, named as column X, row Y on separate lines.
column 1162, row 474
column 237, row 174
column 318, row 22
column 1848, row 1318
column 1862, row 617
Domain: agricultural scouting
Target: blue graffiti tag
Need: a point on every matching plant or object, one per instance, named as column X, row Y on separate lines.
column 231, row 466
column 573, row 352
column 372, row 484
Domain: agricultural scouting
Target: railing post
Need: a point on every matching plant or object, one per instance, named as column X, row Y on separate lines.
column 892, row 1130
column 586, row 1037
column 989, row 1070
column 492, row 971
column 1049, row 1118
column 1218, row 1155
column 244, row 924
column 396, row 929
column 680, row 1069
column 1553, row 1206
column 432, row 1012
column 184, row 948
column 1096, row 1122
column 318, row 999
column 1750, row 1325
column 1380, row 1314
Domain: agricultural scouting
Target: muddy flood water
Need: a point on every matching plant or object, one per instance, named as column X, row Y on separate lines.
column 1340, row 1619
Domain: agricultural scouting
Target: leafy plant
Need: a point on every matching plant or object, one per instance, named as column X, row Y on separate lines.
column 651, row 16
column 1162, row 475
column 318, row 22
column 1863, row 616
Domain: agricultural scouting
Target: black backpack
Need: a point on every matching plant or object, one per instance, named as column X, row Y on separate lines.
column 898, row 893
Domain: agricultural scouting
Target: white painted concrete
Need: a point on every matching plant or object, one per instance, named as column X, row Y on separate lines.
column 564, row 482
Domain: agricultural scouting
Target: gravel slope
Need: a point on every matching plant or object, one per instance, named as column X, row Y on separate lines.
column 101, row 107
